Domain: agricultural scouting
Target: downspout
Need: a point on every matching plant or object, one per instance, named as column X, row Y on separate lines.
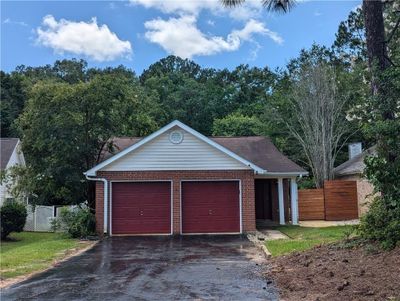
column 105, row 198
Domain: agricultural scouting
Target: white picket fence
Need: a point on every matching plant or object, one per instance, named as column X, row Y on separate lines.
column 40, row 217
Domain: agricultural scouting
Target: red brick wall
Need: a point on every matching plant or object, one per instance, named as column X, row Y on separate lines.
column 246, row 177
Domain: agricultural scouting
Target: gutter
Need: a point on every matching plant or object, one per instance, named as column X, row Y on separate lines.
column 105, row 198
column 283, row 174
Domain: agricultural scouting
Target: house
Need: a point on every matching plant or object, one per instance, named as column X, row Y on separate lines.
column 11, row 155
column 177, row 181
column 352, row 170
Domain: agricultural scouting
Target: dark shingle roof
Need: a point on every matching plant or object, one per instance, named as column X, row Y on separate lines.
column 256, row 149
column 260, row 151
column 7, row 146
column 355, row 165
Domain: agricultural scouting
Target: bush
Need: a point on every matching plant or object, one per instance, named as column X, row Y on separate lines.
column 13, row 218
column 381, row 223
column 78, row 222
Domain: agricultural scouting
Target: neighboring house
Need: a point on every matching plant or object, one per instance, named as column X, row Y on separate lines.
column 177, row 181
column 11, row 155
column 353, row 170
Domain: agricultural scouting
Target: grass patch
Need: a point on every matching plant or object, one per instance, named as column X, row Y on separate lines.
column 303, row 238
column 27, row 252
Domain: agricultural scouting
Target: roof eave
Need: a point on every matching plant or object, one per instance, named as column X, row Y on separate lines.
column 285, row 174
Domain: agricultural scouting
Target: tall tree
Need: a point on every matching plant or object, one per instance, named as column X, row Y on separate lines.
column 13, row 95
column 237, row 124
column 66, row 127
column 318, row 118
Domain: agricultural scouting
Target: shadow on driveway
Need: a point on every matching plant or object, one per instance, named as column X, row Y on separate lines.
column 155, row 268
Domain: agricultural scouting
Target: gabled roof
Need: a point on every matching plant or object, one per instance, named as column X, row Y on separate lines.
column 7, row 146
column 176, row 123
column 256, row 149
column 355, row 165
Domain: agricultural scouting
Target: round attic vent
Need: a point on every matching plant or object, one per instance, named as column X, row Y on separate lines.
column 176, row 137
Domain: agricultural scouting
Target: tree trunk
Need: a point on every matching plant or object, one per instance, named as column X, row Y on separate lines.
column 375, row 33
column 377, row 53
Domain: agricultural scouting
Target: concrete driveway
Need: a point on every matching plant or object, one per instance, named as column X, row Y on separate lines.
column 155, row 268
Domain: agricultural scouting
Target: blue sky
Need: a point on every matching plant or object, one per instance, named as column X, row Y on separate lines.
column 136, row 33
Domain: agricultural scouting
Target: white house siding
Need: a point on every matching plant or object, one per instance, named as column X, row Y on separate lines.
column 17, row 158
column 160, row 154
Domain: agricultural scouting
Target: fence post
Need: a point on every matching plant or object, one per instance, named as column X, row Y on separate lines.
column 34, row 218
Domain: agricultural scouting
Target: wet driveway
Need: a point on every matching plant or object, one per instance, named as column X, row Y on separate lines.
column 155, row 268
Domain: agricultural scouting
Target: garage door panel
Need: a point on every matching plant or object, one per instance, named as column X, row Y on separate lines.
column 129, row 212
column 141, row 208
column 210, row 207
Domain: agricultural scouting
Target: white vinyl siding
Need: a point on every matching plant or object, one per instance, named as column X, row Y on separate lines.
column 17, row 158
column 161, row 154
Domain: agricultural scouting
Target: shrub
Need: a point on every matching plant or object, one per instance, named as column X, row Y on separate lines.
column 381, row 223
column 78, row 222
column 13, row 218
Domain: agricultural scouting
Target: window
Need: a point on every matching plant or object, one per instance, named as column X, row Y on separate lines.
column 176, row 137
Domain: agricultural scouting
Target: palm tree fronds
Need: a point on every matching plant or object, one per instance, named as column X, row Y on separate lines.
column 282, row 6
column 232, row 3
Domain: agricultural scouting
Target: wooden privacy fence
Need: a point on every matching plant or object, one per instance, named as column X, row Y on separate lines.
column 336, row 201
column 311, row 204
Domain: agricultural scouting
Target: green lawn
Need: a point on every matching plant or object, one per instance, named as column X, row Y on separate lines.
column 303, row 238
column 33, row 251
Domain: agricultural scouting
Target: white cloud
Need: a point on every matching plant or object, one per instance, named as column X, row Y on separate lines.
column 9, row 21
column 82, row 38
column 178, row 6
column 181, row 37
column 249, row 9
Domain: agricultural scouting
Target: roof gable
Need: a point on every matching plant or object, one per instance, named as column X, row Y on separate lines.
column 177, row 124
column 161, row 154
column 7, row 147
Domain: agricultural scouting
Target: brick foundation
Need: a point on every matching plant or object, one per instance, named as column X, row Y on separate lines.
column 247, row 188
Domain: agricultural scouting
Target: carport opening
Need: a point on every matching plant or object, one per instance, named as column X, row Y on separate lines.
column 266, row 199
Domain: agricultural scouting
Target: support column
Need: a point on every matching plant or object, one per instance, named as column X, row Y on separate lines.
column 294, row 201
column 281, row 203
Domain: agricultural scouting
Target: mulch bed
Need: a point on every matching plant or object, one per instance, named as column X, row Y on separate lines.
column 335, row 272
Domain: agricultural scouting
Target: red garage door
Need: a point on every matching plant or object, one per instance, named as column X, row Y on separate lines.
column 210, row 207
column 141, row 208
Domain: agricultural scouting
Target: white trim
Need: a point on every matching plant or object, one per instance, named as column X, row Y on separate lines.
column 271, row 175
column 92, row 171
column 105, row 200
column 212, row 180
column 143, row 181
column 281, row 202
column 110, row 205
column 294, row 201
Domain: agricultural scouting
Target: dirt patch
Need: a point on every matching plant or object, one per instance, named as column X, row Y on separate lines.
column 84, row 246
column 332, row 272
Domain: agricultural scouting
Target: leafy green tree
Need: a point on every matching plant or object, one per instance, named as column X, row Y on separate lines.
column 13, row 95
column 65, row 128
column 183, row 91
column 350, row 45
column 252, row 87
column 237, row 124
column 172, row 65
column 382, row 222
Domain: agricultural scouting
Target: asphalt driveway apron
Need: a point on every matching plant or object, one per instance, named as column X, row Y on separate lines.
column 155, row 268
